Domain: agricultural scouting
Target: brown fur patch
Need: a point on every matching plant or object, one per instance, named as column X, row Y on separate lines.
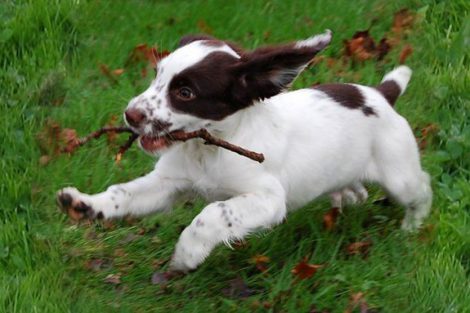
column 347, row 95
column 390, row 90
column 211, row 81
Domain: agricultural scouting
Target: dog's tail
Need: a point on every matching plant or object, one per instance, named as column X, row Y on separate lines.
column 394, row 83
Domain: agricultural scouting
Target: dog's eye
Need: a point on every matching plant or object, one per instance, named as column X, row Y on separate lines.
column 185, row 94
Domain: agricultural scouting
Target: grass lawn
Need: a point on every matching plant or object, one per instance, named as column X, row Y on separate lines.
column 53, row 59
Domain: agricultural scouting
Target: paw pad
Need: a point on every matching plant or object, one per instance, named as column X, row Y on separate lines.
column 76, row 209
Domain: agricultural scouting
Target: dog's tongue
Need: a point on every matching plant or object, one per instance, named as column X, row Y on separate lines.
column 153, row 143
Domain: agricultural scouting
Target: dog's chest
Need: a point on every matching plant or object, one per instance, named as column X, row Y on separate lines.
column 215, row 174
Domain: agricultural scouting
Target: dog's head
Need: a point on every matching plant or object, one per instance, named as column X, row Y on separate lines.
column 205, row 80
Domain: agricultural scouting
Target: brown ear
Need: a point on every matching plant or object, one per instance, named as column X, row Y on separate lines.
column 266, row 72
column 190, row 38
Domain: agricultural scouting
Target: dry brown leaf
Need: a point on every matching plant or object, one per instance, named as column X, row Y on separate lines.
column 157, row 263
column 44, row 160
column 114, row 279
column 49, row 138
column 357, row 299
column 119, row 252
column 304, row 270
column 118, row 71
column 329, row 219
column 107, row 73
column 144, row 53
column 261, row 262
column 405, row 53
column 203, row 27
column 427, row 133
column 361, row 47
column 402, row 20
column 97, row 265
column 359, row 248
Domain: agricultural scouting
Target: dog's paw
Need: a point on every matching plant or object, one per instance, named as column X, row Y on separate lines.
column 354, row 195
column 72, row 202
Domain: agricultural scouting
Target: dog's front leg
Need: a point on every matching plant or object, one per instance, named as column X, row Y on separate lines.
column 152, row 192
column 228, row 220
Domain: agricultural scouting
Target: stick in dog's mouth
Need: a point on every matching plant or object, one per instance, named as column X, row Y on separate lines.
column 155, row 143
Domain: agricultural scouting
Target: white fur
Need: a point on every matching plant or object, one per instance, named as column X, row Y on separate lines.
column 401, row 75
column 313, row 146
column 315, row 40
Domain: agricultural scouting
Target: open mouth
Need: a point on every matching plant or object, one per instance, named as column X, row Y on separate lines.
column 156, row 143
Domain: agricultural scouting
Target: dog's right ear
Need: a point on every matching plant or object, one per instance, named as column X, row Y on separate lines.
column 191, row 38
column 265, row 72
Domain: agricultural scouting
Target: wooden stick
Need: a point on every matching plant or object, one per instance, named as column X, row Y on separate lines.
column 175, row 136
column 211, row 140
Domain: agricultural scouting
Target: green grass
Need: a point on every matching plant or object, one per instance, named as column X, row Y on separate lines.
column 51, row 50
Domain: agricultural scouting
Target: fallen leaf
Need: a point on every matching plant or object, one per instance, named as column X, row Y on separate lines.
column 304, row 270
column 111, row 136
column 267, row 305
column 266, row 35
column 144, row 53
column 157, row 263
column 261, row 262
column 114, row 279
column 44, row 160
column 203, row 27
column 107, row 73
column 329, row 218
column 119, row 252
column 49, row 138
column 97, row 265
column 238, row 289
column 427, row 133
column 361, row 47
column 240, row 244
column 405, row 53
column 355, row 300
column 402, row 20
column 118, row 71
column 359, row 248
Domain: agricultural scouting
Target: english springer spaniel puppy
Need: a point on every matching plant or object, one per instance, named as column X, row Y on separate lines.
column 327, row 139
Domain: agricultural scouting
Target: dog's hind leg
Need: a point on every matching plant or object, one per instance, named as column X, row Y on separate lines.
column 226, row 221
column 398, row 170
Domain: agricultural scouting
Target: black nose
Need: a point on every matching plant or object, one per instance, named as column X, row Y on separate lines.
column 134, row 117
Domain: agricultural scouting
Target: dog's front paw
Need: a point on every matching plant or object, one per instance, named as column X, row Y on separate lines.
column 72, row 202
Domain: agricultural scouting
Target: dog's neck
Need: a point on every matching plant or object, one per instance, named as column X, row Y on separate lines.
column 241, row 121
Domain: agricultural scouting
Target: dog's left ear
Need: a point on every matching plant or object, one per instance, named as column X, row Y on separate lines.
column 266, row 72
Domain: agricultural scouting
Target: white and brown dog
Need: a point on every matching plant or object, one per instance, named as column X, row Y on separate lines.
column 322, row 140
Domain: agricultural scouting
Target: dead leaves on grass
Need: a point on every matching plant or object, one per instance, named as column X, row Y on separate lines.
column 362, row 46
column 330, row 218
column 139, row 60
column 261, row 262
column 360, row 248
column 113, row 279
column 304, row 270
